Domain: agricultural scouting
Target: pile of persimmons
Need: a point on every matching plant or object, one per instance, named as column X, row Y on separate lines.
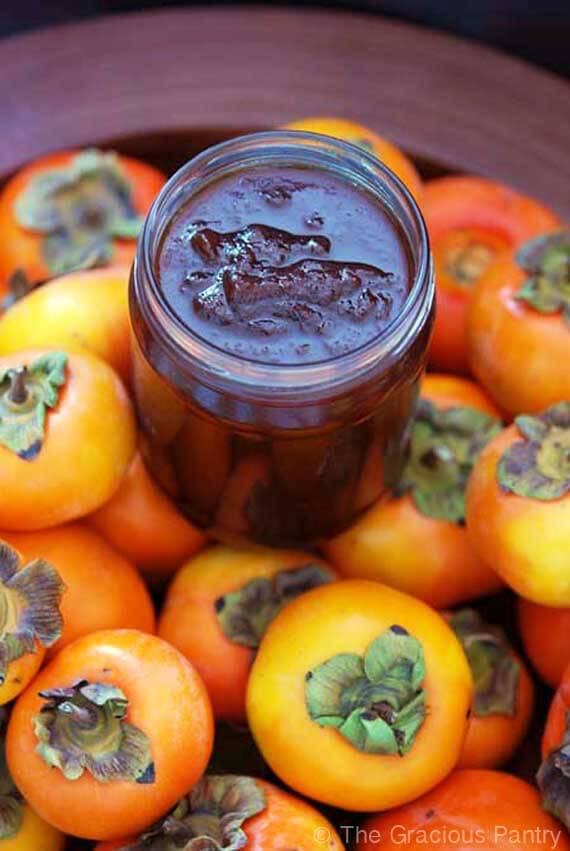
column 387, row 677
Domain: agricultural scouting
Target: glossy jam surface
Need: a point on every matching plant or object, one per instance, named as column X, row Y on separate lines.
column 285, row 266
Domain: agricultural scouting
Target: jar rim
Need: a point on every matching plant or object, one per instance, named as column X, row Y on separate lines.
column 216, row 365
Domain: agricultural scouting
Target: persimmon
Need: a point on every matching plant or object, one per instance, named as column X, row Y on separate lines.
column 359, row 696
column 417, row 541
column 80, row 312
column 102, row 589
column 264, row 818
column 503, row 692
column 545, row 632
column 219, row 605
column 472, row 808
column 358, row 134
column 554, row 775
column 110, row 734
column 67, row 437
column 472, row 223
column 519, row 326
column 21, row 829
column 143, row 523
column 518, row 506
column 73, row 210
column 30, row 618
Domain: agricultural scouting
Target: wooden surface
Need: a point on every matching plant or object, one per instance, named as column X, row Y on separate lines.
column 178, row 72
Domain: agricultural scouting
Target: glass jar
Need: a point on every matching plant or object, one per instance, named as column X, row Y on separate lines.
column 269, row 453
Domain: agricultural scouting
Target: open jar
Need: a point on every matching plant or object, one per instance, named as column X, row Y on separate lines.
column 282, row 300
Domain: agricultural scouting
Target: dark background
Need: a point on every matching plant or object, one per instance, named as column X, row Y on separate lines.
column 538, row 30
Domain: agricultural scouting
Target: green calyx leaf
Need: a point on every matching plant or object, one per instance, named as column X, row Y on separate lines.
column 11, row 802
column 495, row 670
column 26, row 392
column 83, row 728
column 376, row 702
column 80, row 209
column 547, row 261
column 539, row 465
column 443, row 448
column 245, row 614
column 553, row 779
column 30, row 598
column 210, row 818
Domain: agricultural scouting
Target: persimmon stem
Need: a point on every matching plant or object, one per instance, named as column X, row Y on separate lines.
column 18, row 393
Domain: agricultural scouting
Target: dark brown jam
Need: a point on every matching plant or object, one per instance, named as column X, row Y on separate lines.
column 282, row 315
column 289, row 266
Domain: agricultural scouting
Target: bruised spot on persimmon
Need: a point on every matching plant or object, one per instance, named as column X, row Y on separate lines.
column 443, row 448
column 26, row 392
column 538, row 466
column 79, row 208
column 83, row 728
column 245, row 614
column 29, row 607
column 547, row 261
column 495, row 671
column 553, row 779
column 375, row 701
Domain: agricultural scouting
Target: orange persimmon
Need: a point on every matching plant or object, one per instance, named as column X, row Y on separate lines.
column 471, row 809
column 358, row 134
column 554, row 775
column 264, row 818
column 143, row 523
column 518, row 506
column 219, row 605
column 359, row 696
column 418, row 546
column 110, row 735
column 546, row 637
column 67, row 437
column 472, row 222
column 518, row 327
column 81, row 312
column 71, row 210
column 102, row 589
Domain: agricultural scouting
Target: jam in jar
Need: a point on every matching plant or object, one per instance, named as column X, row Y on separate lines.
column 282, row 302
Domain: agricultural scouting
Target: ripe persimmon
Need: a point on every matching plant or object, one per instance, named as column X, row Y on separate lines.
column 359, row 696
column 358, row 134
column 518, row 506
column 73, row 210
column 102, row 589
column 110, row 734
column 67, row 437
column 219, row 605
column 143, row 523
column 503, row 692
column 545, row 632
column 519, row 326
column 81, row 312
column 554, row 775
column 30, row 618
column 264, row 818
column 417, row 541
column 471, row 809
column 472, row 223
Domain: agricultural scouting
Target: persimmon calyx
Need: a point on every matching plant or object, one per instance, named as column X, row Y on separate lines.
column 495, row 670
column 209, row 818
column 553, row 779
column 26, row 393
column 245, row 614
column 443, row 448
column 29, row 607
column 539, row 465
column 83, row 728
column 80, row 209
column 11, row 802
column 375, row 701
column 547, row 261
